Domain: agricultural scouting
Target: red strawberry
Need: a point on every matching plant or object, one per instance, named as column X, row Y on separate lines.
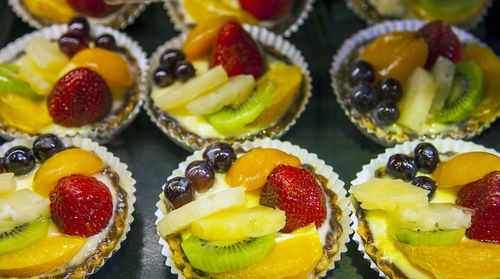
column 483, row 196
column 295, row 191
column 80, row 97
column 237, row 52
column 94, row 8
column 441, row 41
column 267, row 9
column 81, row 205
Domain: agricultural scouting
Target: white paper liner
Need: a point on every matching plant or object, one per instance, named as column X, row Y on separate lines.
column 368, row 171
column 177, row 16
column 119, row 19
column 127, row 182
column 371, row 19
column 105, row 129
column 321, row 168
column 379, row 134
column 261, row 35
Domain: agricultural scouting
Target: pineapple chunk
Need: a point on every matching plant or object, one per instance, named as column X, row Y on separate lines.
column 20, row 207
column 417, row 99
column 389, row 194
column 41, row 81
column 239, row 224
column 46, row 54
column 7, row 182
column 443, row 72
column 445, row 216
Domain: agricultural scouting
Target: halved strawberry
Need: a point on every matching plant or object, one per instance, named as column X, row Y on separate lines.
column 267, row 9
column 441, row 41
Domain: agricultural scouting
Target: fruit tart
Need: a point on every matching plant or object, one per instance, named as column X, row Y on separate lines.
column 65, row 206
column 257, row 209
column 43, row 13
column 430, row 210
column 463, row 13
column 279, row 16
column 71, row 79
column 405, row 80
column 228, row 82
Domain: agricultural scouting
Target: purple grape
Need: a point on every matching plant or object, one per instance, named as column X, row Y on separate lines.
column 201, row 174
column 184, row 71
column 426, row 157
column 221, row 155
column 361, row 72
column 401, row 166
column 106, row 41
column 179, row 191
column 425, row 183
column 389, row 89
column 363, row 97
column 79, row 26
column 162, row 77
column 19, row 160
column 45, row 146
column 385, row 113
column 171, row 57
column 71, row 44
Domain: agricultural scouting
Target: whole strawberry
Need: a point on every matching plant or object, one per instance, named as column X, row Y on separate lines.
column 81, row 205
column 267, row 9
column 80, row 97
column 441, row 41
column 483, row 196
column 93, row 8
column 295, row 191
column 237, row 52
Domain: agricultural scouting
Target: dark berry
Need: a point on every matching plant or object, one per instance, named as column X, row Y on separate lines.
column 361, row 72
column 19, row 160
column 426, row 183
column 47, row 145
column 201, row 174
column 79, row 26
column 426, row 156
column 389, row 89
column 385, row 113
column 106, row 41
column 71, row 44
column 401, row 166
column 221, row 155
column 171, row 57
column 162, row 77
column 179, row 191
column 184, row 71
column 363, row 97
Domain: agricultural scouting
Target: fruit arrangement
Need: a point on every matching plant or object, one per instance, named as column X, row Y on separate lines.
column 68, row 80
column 47, row 188
column 465, row 14
column 43, row 13
column 430, row 210
column 219, row 82
column 417, row 80
column 279, row 16
column 253, row 211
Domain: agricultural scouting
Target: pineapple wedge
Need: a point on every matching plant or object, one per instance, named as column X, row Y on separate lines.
column 7, row 182
column 445, row 216
column 20, row 207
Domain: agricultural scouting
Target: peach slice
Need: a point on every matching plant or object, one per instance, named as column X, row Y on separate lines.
column 201, row 39
column 64, row 163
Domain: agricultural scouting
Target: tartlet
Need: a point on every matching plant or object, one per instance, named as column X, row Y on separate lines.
column 334, row 231
column 88, row 250
column 125, row 105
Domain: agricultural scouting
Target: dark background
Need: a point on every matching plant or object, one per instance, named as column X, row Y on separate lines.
column 322, row 129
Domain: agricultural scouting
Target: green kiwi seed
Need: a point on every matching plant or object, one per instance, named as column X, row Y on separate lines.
column 23, row 236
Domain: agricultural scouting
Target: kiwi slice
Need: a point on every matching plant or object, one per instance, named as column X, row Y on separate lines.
column 467, row 91
column 442, row 237
column 23, row 236
column 220, row 256
column 230, row 119
column 448, row 7
column 9, row 83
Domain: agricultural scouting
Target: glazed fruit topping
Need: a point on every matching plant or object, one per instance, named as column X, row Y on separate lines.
column 361, row 72
column 179, row 191
column 441, row 41
column 295, row 191
column 81, row 205
column 426, row 183
column 201, row 174
column 237, row 52
column 184, row 71
column 173, row 66
column 171, row 57
column 106, row 41
column 19, row 160
column 385, row 113
column 401, row 166
column 70, row 44
column 426, row 157
column 221, row 155
column 45, row 146
column 363, row 97
column 267, row 9
column 80, row 97
column 163, row 76
column 94, row 8
column 79, row 26
column 389, row 89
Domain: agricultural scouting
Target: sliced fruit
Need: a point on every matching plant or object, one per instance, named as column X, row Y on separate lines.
column 417, row 100
column 233, row 92
column 252, row 168
column 448, row 6
column 11, row 84
column 55, row 10
column 23, row 113
column 201, row 39
column 464, row 168
column 7, row 182
column 443, row 72
column 389, row 194
column 292, row 254
column 108, row 64
column 42, row 256
column 391, row 8
column 460, row 18
column 445, row 216
column 204, row 10
column 441, row 41
column 466, row 259
column 94, row 8
column 445, row 237
column 64, row 163
column 46, row 54
column 231, row 119
column 169, row 99
column 9, row 68
column 467, row 91
column 182, row 217
column 23, row 236
column 41, row 81
column 239, row 224
column 267, row 9
column 220, row 256
column 21, row 207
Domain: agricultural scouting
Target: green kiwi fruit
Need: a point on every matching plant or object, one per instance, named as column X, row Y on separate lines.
column 220, row 256
column 9, row 83
column 442, row 237
column 23, row 236
column 10, row 67
column 230, row 119
column 448, row 7
column 467, row 91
